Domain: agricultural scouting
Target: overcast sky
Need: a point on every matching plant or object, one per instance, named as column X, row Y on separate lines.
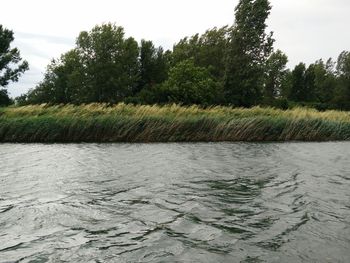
column 305, row 30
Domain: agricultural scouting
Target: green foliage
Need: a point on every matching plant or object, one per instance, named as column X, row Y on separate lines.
column 21, row 100
column 343, row 65
column 207, row 50
column 275, row 75
column 315, row 84
column 104, row 67
column 63, row 82
column 154, row 66
column 310, row 83
column 5, row 100
column 229, row 65
column 298, row 90
column 325, row 81
column 248, row 52
column 11, row 64
column 109, row 62
column 342, row 92
column 189, row 84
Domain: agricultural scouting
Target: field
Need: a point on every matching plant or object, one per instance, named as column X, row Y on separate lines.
column 170, row 123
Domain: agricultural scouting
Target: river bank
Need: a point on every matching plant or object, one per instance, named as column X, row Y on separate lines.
column 171, row 123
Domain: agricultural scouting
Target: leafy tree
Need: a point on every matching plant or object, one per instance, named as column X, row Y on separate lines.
column 314, row 84
column 214, row 45
column 207, row 50
column 298, row 90
column 104, row 67
column 110, row 63
column 342, row 93
column 325, row 81
column 11, row 64
column 186, row 48
column 154, row 65
column 63, row 82
column 343, row 65
column 22, row 100
column 189, row 84
column 286, row 84
column 233, row 65
column 5, row 100
column 275, row 75
column 248, row 51
column 310, row 83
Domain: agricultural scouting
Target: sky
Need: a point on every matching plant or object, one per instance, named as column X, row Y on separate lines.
column 306, row 30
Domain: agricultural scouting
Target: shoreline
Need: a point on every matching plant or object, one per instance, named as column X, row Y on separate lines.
column 122, row 123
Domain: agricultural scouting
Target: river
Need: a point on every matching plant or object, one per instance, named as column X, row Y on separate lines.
column 204, row 202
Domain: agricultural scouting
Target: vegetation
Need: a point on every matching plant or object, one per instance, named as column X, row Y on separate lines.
column 248, row 51
column 170, row 123
column 233, row 65
column 11, row 64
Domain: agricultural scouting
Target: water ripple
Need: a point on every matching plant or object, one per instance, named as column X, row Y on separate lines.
column 216, row 202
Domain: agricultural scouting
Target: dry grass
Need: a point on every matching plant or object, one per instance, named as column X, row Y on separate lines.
column 128, row 123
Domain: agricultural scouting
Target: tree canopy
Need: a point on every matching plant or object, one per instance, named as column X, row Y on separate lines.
column 190, row 84
column 248, row 51
column 11, row 64
column 232, row 65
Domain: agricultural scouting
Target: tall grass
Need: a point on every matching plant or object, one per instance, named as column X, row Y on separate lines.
column 171, row 123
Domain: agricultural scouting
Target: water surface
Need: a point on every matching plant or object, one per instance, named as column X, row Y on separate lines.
column 222, row 202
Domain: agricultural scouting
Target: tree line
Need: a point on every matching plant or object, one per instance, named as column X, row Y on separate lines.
column 234, row 65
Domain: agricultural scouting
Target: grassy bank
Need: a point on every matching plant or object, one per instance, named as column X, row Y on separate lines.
column 127, row 123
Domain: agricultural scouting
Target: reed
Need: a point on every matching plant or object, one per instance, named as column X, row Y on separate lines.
column 169, row 123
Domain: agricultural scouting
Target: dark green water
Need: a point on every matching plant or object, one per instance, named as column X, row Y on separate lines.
column 225, row 202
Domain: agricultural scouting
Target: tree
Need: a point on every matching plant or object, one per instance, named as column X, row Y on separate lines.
column 325, row 81
column 343, row 65
column 22, row 100
column 104, row 67
column 59, row 84
column 310, row 84
column 5, row 100
column 303, row 83
column 342, row 93
column 298, row 91
column 207, row 50
column 154, row 66
column 275, row 74
column 110, row 63
column 248, row 51
column 286, row 84
column 189, row 84
column 11, row 64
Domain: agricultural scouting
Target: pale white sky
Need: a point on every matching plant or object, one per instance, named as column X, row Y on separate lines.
column 305, row 30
